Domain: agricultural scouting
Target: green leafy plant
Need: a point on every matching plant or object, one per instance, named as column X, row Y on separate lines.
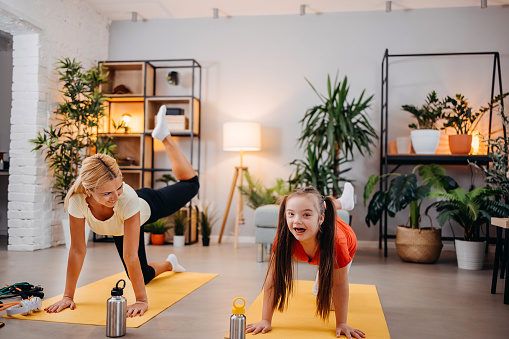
column 206, row 217
column 428, row 114
column 258, row 195
column 157, row 227
column 469, row 209
column 497, row 173
column 331, row 132
column 405, row 190
column 74, row 135
column 180, row 220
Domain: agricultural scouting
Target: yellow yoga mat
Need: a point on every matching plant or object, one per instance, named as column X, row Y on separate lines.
column 299, row 321
column 162, row 292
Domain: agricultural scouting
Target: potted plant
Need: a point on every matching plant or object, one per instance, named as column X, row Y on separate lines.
column 470, row 210
column 425, row 134
column 206, row 219
column 73, row 137
column 180, row 221
column 332, row 131
column 157, row 230
column 413, row 243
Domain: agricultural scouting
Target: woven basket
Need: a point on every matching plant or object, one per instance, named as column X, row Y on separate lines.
column 421, row 245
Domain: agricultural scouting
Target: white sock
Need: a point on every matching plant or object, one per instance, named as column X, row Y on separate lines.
column 172, row 258
column 161, row 130
column 315, row 285
column 347, row 198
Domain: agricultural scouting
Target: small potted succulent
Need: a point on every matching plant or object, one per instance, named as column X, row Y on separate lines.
column 425, row 134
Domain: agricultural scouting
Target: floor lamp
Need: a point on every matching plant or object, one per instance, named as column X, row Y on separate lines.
column 241, row 137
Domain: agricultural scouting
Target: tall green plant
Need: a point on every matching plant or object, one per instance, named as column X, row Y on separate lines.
column 331, row 132
column 469, row 209
column 180, row 220
column 74, row 135
column 258, row 195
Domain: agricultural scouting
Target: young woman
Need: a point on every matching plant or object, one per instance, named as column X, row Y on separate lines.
column 111, row 207
column 309, row 230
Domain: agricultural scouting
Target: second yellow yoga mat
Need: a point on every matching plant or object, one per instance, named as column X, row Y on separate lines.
column 299, row 321
column 163, row 291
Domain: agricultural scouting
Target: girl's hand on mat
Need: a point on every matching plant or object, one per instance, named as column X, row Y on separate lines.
column 134, row 309
column 260, row 327
column 349, row 332
column 60, row 305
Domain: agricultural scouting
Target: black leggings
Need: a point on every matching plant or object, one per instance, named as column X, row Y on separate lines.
column 163, row 202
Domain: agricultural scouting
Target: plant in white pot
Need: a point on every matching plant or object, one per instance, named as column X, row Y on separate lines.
column 413, row 242
column 470, row 210
column 206, row 219
column 425, row 134
column 180, row 221
column 73, row 137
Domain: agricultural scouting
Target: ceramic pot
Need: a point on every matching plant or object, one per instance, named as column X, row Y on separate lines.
column 470, row 254
column 179, row 240
column 157, row 239
column 425, row 141
column 460, row 143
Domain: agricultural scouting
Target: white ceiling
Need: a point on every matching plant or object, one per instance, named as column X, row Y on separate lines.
column 166, row 9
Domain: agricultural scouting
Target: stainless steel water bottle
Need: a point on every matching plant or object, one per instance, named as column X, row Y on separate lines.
column 116, row 312
column 238, row 321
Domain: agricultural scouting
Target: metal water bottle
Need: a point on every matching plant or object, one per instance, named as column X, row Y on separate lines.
column 116, row 312
column 238, row 321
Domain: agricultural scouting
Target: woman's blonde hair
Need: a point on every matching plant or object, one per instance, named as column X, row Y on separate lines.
column 94, row 172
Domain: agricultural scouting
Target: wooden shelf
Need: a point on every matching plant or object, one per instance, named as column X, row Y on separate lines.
column 190, row 107
column 436, row 159
column 131, row 75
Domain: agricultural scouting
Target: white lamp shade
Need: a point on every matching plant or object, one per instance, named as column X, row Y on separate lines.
column 241, row 136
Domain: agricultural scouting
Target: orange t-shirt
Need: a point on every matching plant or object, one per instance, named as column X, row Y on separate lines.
column 345, row 246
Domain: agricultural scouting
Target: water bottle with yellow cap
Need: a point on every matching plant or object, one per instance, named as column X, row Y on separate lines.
column 238, row 321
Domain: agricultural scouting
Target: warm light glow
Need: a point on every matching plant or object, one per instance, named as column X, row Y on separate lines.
column 475, row 142
column 126, row 118
column 241, row 136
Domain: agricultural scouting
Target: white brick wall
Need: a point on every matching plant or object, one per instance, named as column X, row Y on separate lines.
column 43, row 32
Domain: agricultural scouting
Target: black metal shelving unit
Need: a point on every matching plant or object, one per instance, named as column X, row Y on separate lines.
column 149, row 92
column 399, row 160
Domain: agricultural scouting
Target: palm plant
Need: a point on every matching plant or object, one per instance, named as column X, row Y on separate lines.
column 167, row 178
column 74, row 136
column 332, row 131
column 469, row 209
column 405, row 190
column 427, row 115
column 157, row 227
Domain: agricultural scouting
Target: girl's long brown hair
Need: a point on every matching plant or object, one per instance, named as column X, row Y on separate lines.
column 281, row 264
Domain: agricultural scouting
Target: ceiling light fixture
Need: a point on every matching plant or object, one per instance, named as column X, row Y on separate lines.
column 484, row 3
column 215, row 12
column 388, row 6
column 302, row 9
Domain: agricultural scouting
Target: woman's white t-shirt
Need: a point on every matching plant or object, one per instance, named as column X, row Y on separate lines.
column 128, row 205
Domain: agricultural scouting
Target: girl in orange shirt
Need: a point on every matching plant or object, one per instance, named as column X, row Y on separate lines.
column 309, row 230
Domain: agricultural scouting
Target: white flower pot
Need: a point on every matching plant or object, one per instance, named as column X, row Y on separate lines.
column 425, row 141
column 146, row 238
column 179, row 240
column 470, row 254
column 66, row 226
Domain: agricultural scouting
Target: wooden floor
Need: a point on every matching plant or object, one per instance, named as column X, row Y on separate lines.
column 419, row 301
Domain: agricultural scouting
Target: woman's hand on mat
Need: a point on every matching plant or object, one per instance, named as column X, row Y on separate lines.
column 260, row 327
column 138, row 307
column 349, row 332
column 60, row 305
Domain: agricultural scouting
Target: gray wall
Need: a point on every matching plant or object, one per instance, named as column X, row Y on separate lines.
column 255, row 69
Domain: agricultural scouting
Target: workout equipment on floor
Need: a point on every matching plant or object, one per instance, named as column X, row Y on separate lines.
column 22, row 289
column 162, row 292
